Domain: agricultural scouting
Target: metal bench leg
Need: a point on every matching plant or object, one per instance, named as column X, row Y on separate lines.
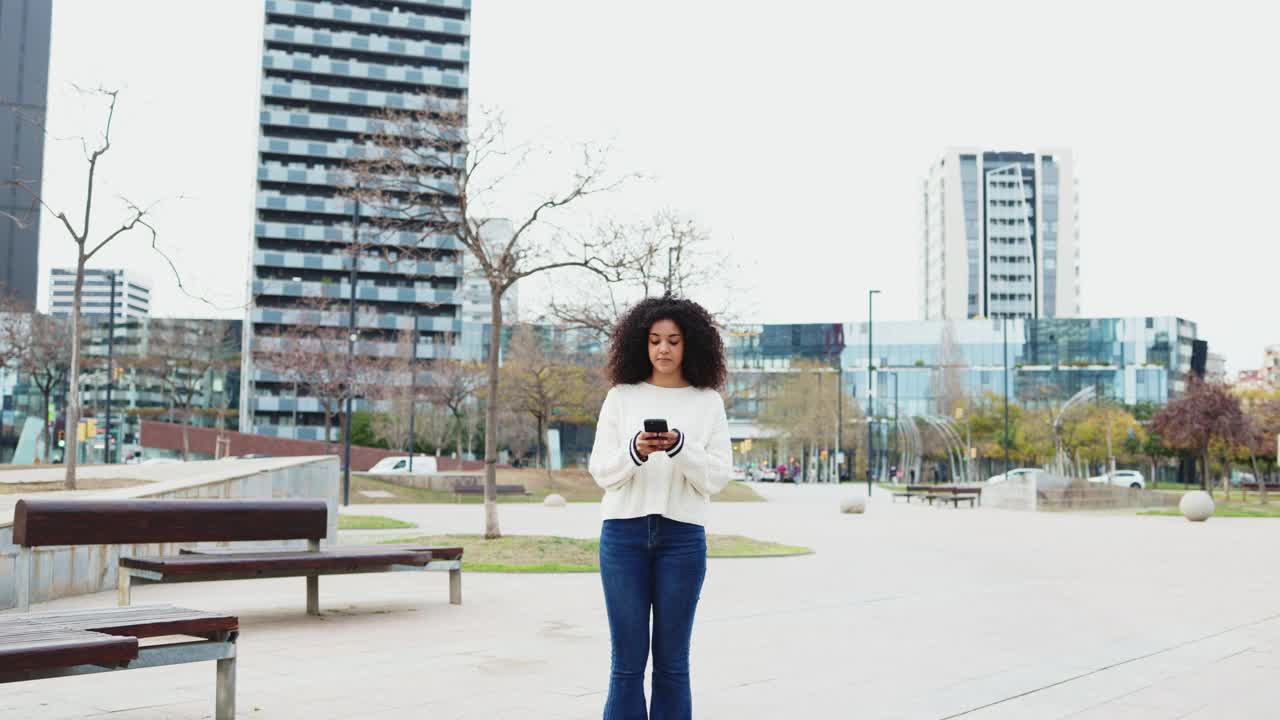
column 313, row 594
column 123, row 585
column 313, row 582
column 455, row 587
column 22, row 580
column 225, row 708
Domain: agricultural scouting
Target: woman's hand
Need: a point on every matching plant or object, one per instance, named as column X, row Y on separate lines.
column 655, row 442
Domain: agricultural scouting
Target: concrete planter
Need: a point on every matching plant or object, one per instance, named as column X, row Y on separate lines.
column 554, row 500
column 1196, row 506
column 853, row 505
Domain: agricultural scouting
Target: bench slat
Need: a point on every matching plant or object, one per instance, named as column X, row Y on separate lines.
column 108, row 522
column 27, row 646
column 324, row 561
column 139, row 621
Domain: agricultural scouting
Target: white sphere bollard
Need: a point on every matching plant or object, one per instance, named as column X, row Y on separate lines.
column 554, row 500
column 1196, row 506
column 855, row 504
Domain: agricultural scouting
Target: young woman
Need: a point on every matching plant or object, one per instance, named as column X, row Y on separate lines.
column 666, row 360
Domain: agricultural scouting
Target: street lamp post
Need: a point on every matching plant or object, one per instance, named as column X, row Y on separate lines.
column 1004, row 326
column 413, row 390
column 111, row 340
column 351, row 351
column 870, row 398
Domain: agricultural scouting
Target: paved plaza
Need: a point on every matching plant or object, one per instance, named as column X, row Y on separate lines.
column 905, row 612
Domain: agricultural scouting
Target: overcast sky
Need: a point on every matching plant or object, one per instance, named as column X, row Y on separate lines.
column 798, row 133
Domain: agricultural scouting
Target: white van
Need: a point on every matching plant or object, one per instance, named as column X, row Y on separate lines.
column 399, row 465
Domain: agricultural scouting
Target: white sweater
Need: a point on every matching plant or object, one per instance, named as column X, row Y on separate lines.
column 677, row 484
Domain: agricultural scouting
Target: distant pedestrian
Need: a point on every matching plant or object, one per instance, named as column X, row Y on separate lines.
column 795, row 471
column 782, row 472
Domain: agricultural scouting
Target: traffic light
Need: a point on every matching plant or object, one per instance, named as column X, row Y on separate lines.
column 62, row 438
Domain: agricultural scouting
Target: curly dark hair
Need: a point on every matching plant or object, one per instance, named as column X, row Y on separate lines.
column 704, row 362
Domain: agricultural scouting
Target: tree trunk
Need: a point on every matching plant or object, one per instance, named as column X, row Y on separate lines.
column 458, row 444
column 73, row 379
column 491, row 529
column 1205, row 483
column 542, row 457
column 48, row 427
column 186, row 437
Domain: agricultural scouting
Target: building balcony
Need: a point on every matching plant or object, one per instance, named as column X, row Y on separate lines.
column 343, row 40
column 350, row 150
column 310, row 261
column 338, row 319
column 364, row 348
column 340, row 234
column 364, row 291
column 369, row 17
column 373, row 99
column 297, row 62
column 340, row 123
column 268, row 200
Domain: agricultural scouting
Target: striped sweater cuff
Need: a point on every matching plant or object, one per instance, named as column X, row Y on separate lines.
column 675, row 449
column 635, row 456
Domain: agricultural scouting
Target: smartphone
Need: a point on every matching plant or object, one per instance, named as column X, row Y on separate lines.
column 655, row 426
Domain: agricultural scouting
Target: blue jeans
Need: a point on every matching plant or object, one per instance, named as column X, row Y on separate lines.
column 651, row 563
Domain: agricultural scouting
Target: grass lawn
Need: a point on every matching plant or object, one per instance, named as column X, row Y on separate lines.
column 1235, row 508
column 371, row 522
column 575, row 485
column 82, row 483
column 541, row 553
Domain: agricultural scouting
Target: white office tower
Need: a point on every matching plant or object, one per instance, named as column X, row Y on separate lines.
column 132, row 297
column 1000, row 236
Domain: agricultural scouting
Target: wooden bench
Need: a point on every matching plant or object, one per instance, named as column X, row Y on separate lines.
column 41, row 645
column 122, row 522
column 913, row 491
column 956, row 498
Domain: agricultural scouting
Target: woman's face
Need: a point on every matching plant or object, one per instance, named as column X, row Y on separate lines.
column 666, row 348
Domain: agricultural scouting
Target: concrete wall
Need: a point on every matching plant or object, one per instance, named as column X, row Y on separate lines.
column 80, row 569
column 1014, row 494
column 1104, row 497
column 1058, row 493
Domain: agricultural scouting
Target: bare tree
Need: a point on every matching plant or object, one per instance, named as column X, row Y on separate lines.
column 667, row 254
column 87, row 245
column 454, row 383
column 184, row 354
column 15, row 335
column 312, row 356
column 45, row 359
column 428, row 169
column 542, row 385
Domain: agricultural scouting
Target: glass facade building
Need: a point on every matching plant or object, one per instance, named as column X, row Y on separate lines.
column 1000, row 236
column 921, row 364
column 330, row 70
column 25, row 27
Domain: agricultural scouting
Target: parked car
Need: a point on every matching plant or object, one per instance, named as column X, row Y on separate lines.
column 768, row 475
column 399, row 465
column 1014, row 474
column 1122, row 478
column 738, row 473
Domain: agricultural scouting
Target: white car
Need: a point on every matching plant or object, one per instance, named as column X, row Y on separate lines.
column 738, row 473
column 1122, row 478
column 399, row 465
column 1014, row 474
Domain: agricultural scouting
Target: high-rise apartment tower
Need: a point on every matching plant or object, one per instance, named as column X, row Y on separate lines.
column 1000, row 236
column 330, row 70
